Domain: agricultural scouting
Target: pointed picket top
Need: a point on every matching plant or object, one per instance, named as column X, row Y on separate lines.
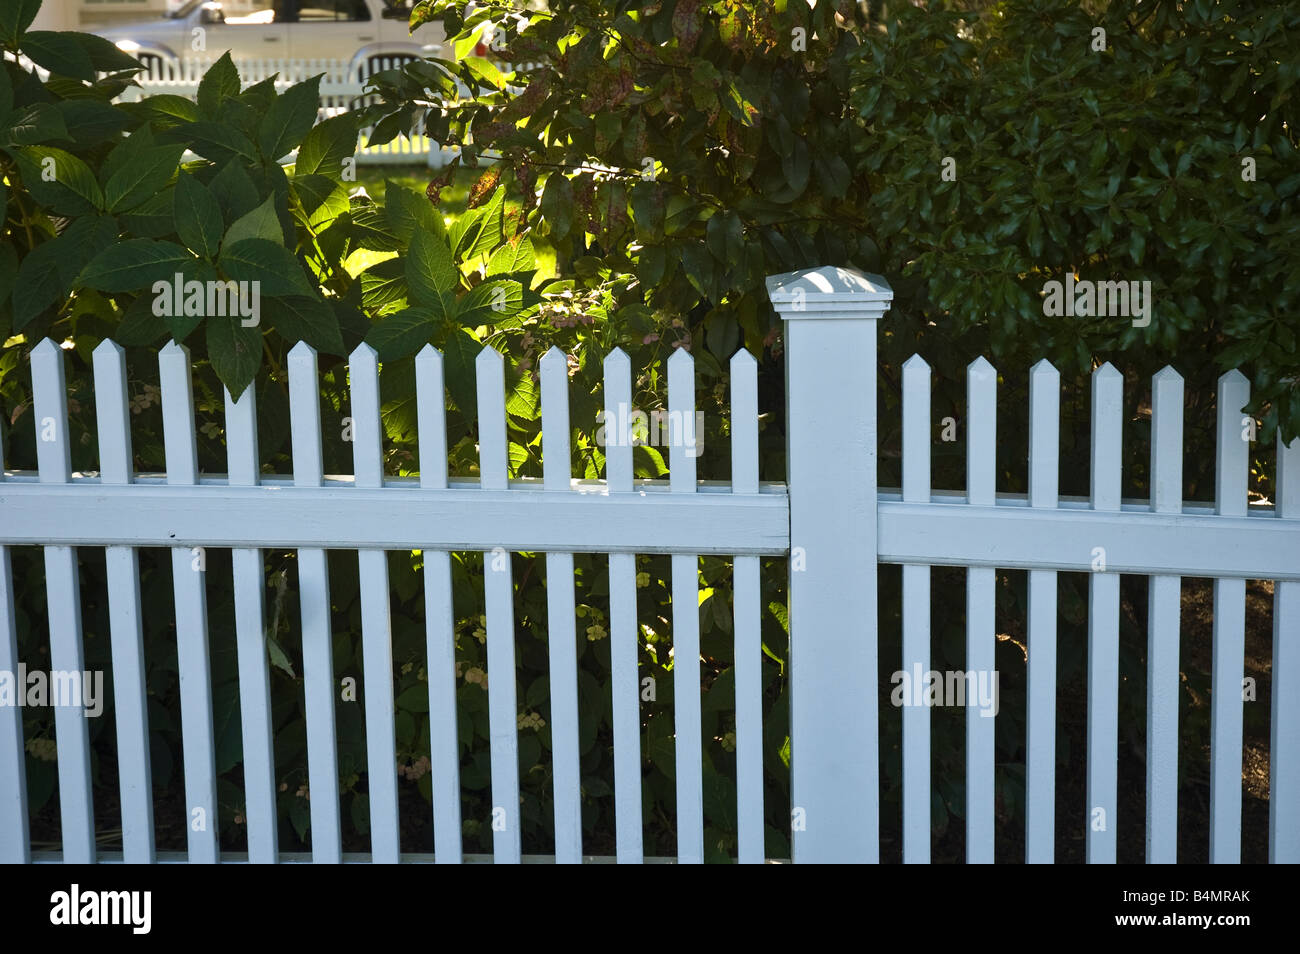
column 109, row 348
column 487, row 358
column 684, row 442
column 1043, row 367
column 50, row 406
column 431, row 417
column 744, row 423
column 917, row 434
column 1167, row 441
column 617, row 447
column 367, row 432
column 554, row 357
column 304, row 416
column 1044, row 434
column 172, row 350
column 1107, row 437
column 364, row 355
column 1107, row 372
column 1231, row 458
column 493, row 446
column 743, row 359
column 846, row 291
column 1166, row 376
column 46, row 349
column 981, row 432
column 916, row 365
column 1233, row 379
column 617, row 359
column 981, row 368
column 556, row 459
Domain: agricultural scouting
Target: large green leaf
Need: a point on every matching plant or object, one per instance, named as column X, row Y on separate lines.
column 38, row 284
column 198, row 217
column 430, row 270
column 557, row 205
column 105, row 55
column 134, row 264
column 36, row 123
column 8, row 271
column 458, row 355
column 58, row 53
column 216, row 141
column 234, row 351
column 234, row 191
column 384, row 283
column 219, row 83
column 260, row 223
column 305, row 319
column 478, row 232
column 403, row 334
column 15, row 17
column 259, row 260
column 147, row 175
column 93, row 121
column 409, row 212
column 516, row 256
column 489, row 303
column 59, row 180
column 326, row 146
column 289, row 119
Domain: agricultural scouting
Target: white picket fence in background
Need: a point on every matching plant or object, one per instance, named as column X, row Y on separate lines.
column 830, row 518
column 342, row 88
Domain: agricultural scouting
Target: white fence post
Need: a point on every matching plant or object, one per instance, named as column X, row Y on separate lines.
column 830, row 346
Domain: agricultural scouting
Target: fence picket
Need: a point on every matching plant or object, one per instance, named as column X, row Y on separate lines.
column 63, row 597
column 317, row 629
column 135, row 779
column 560, row 613
column 1103, row 622
column 1284, row 737
column 748, row 620
column 1232, row 464
column 916, row 619
column 981, row 632
column 15, row 845
column 376, row 618
column 250, row 635
column 439, row 616
column 686, row 619
column 1040, row 749
column 624, row 633
column 1163, row 627
column 503, row 712
column 188, row 571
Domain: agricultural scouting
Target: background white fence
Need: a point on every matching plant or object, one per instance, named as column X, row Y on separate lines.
column 342, row 88
column 830, row 518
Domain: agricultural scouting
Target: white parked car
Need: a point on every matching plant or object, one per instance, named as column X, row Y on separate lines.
column 366, row 34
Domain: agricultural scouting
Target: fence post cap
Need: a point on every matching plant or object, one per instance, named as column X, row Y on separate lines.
column 829, row 289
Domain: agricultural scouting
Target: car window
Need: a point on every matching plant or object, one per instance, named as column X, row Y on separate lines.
column 260, row 14
column 314, row 11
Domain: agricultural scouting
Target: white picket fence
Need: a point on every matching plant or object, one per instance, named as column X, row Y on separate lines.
column 342, row 88
column 830, row 518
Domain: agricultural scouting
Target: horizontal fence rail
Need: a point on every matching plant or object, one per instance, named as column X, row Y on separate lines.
column 831, row 520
